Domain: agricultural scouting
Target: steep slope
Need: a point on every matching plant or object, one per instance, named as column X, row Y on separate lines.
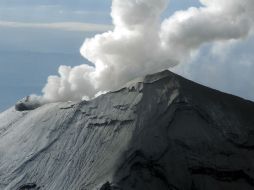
column 158, row 132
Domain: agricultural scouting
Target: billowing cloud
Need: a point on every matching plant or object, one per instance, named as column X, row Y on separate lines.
column 140, row 43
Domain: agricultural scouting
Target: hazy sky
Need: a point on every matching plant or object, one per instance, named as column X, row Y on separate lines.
column 38, row 36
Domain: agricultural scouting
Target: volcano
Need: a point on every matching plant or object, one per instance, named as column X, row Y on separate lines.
column 158, row 132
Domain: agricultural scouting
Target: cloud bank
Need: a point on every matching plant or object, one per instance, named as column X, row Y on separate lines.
column 67, row 26
column 141, row 43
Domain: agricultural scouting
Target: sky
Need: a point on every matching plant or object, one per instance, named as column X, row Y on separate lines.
column 36, row 37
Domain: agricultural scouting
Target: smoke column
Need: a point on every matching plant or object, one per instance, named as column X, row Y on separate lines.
column 141, row 43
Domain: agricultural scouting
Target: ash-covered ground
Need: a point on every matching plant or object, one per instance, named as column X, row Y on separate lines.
column 157, row 132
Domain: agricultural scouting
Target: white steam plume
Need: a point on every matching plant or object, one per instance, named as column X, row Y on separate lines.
column 140, row 44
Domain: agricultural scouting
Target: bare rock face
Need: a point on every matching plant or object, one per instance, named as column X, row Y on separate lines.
column 160, row 132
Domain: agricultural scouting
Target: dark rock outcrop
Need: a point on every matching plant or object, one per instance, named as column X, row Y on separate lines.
column 25, row 104
column 29, row 186
column 159, row 132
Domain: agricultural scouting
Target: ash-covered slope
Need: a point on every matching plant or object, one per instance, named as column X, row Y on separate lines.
column 160, row 132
